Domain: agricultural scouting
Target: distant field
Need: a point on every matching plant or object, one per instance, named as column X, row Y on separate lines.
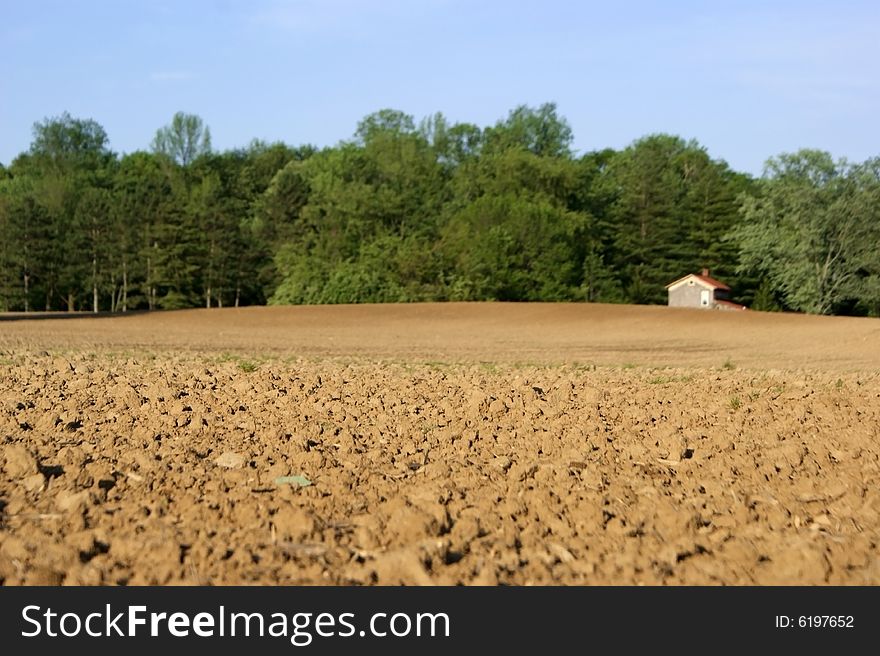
column 473, row 332
column 444, row 443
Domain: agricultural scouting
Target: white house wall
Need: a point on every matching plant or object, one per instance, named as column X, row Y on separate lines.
column 685, row 294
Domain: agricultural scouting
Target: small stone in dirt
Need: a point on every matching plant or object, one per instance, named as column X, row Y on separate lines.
column 230, row 460
column 300, row 481
column 503, row 463
column 72, row 426
column 560, row 552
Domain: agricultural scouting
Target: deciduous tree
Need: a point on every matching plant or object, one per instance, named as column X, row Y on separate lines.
column 813, row 230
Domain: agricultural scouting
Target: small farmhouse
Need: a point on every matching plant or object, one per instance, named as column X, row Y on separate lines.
column 701, row 291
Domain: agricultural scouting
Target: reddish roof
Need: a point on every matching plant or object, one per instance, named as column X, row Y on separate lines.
column 711, row 282
column 717, row 284
column 731, row 306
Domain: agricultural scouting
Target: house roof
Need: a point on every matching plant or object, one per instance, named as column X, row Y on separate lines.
column 705, row 280
column 730, row 305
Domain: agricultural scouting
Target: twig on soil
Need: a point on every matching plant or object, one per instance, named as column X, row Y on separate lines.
column 810, row 498
column 309, row 549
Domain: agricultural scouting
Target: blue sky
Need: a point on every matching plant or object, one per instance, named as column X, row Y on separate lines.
column 747, row 79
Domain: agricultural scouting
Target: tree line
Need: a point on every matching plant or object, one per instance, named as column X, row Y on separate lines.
column 428, row 211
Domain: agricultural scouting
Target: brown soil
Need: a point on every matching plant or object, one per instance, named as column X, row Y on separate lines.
column 483, row 443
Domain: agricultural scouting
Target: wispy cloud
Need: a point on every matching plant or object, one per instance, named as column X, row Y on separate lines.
column 170, row 76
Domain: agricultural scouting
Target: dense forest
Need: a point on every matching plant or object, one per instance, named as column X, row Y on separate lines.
column 427, row 211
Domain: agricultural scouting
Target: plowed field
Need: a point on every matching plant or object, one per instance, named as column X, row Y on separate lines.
column 457, row 443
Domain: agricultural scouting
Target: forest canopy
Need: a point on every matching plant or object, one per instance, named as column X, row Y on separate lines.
column 427, row 210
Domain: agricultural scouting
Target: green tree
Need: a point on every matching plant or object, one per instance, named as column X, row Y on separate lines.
column 812, row 230
column 591, row 197
column 24, row 234
column 649, row 234
column 765, row 298
column 510, row 232
column 66, row 142
column 93, row 227
column 513, row 248
column 865, row 189
column 454, row 144
column 276, row 221
column 183, row 140
column 141, row 192
column 67, row 158
column 219, row 205
column 541, row 131
column 331, row 211
column 176, row 250
column 9, row 290
column 389, row 122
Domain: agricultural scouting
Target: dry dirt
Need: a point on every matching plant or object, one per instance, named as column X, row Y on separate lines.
column 477, row 444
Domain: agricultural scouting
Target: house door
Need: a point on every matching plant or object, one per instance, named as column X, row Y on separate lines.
column 704, row 298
